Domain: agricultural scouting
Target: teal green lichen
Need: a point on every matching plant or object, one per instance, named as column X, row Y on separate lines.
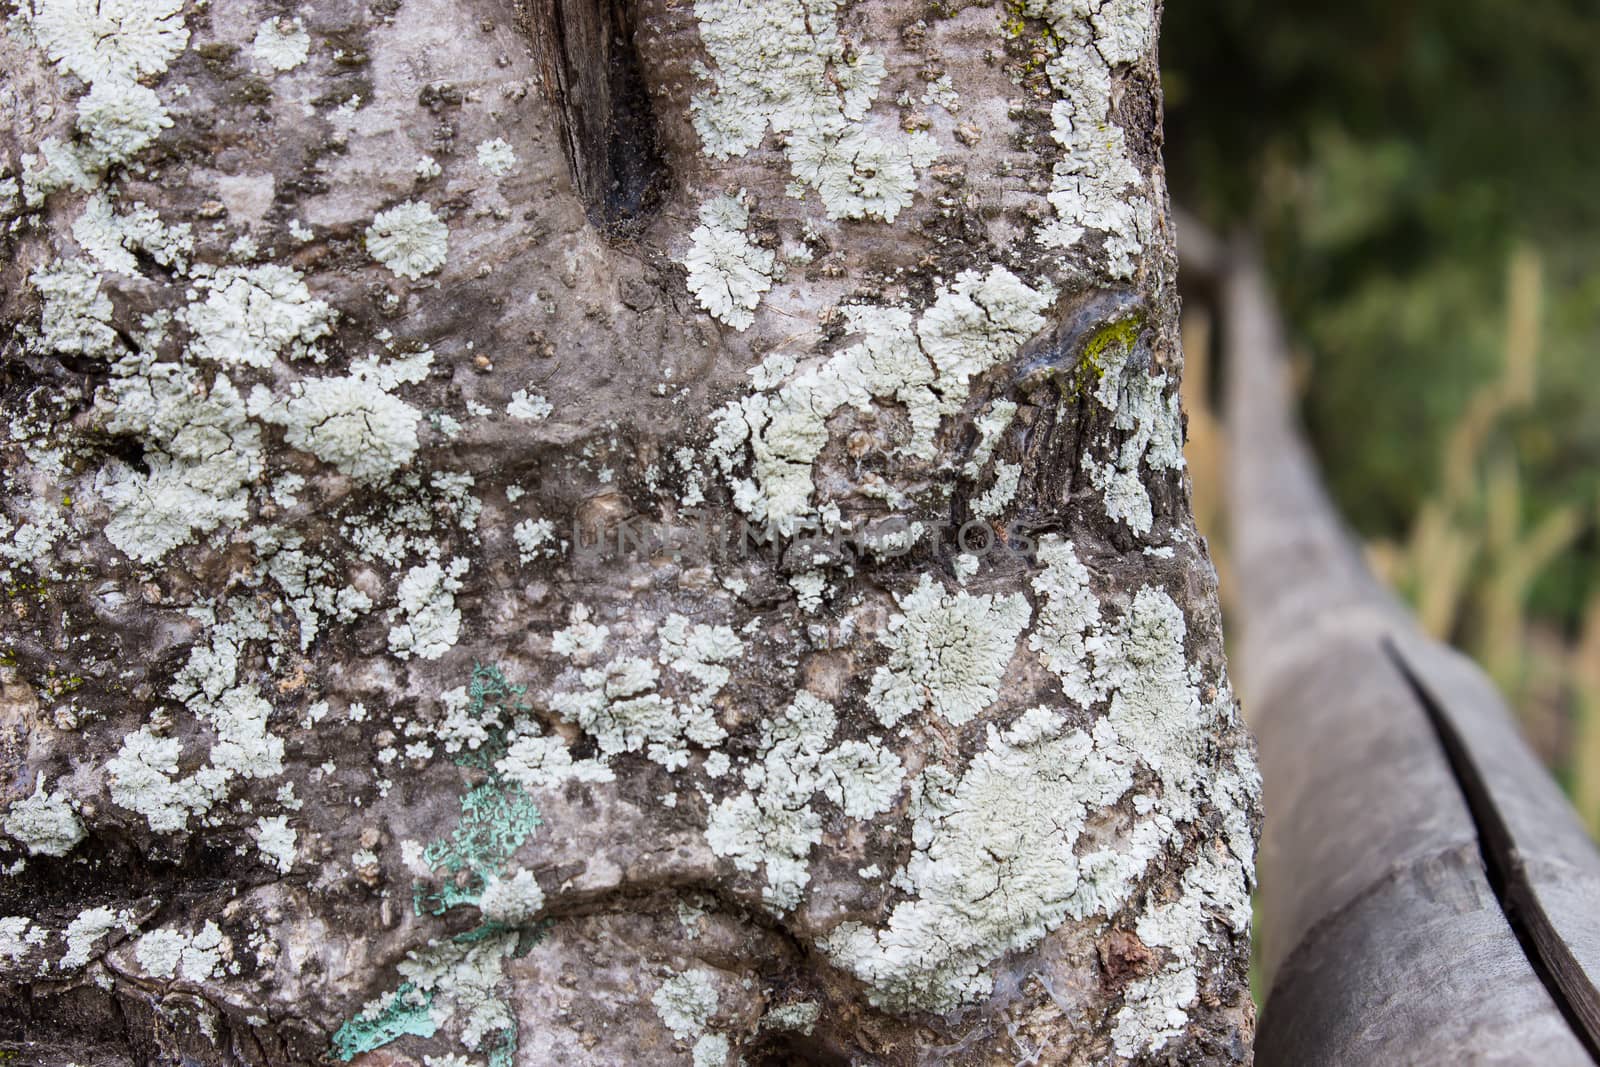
column 497, row 817
column 406, row 1013
column 495, row 701
column 505, row 1053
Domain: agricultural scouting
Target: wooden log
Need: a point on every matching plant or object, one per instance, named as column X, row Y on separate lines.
column 1427, row 893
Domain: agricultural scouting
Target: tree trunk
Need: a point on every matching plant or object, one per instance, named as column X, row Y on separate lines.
column 604, row 531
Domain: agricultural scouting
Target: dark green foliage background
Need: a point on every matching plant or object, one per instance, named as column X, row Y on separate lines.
column 1391, row 154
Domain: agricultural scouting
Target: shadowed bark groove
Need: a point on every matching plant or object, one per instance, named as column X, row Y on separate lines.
column 591, row 72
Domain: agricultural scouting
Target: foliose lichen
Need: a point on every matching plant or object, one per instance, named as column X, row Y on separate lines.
column 948, row 650
column 784, row 66
column 45, row 823
column 281, row 44
column 409, row 239
column 727, row 273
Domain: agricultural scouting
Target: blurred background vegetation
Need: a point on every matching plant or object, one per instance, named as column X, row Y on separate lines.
column 1423, row 176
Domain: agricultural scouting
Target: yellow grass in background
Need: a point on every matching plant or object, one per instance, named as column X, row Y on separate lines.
column 1205, row 449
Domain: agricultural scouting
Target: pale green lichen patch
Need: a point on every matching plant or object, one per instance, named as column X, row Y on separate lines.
column 711, row 1050
column 171, row 953
column 45, row 823
column 497, row 157
column 993, row 869
column 75, row 316
column 511, row 901
column 254, row 315
column 536, row 539
column 144, row 775
column 995, row 499
column 1069, row 613
column 311, row 584
column 54, row 168
column 1095, row 187
column 800, row 1017
column 116, row 122
column 200, row 451
column 784, row 65
column 925, row 364
column 111, row 45
column 621, row 705
column 84, row 933
column 991, row 425
column 529, row 406
column 115, row 239
column 685, row 1002
column 275, row 839
column 582, row 639
column 701, row 651
column 1137, row 663
column 427, row 621
column 947, row 650
column 775, row 825
column 353, row 421
column 977, row 323
column 480, row 716
column 28, row 543
column 281, row 44
column 1153, row 423
column 727, row 274
column 459, row 981
column 997, row 862
column 1155, row 1008
column 116, row 40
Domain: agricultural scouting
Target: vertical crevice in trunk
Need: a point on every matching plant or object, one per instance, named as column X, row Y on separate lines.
column 592, row 74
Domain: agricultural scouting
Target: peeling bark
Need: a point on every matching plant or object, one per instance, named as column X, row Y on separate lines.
column 604, row 533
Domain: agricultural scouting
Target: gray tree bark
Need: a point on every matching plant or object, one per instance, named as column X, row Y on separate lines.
column 604, row 532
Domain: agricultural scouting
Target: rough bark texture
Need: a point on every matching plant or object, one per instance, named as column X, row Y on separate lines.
column 486, row 490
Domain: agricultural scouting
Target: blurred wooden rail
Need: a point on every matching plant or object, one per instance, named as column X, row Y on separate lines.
column 1428, row 895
